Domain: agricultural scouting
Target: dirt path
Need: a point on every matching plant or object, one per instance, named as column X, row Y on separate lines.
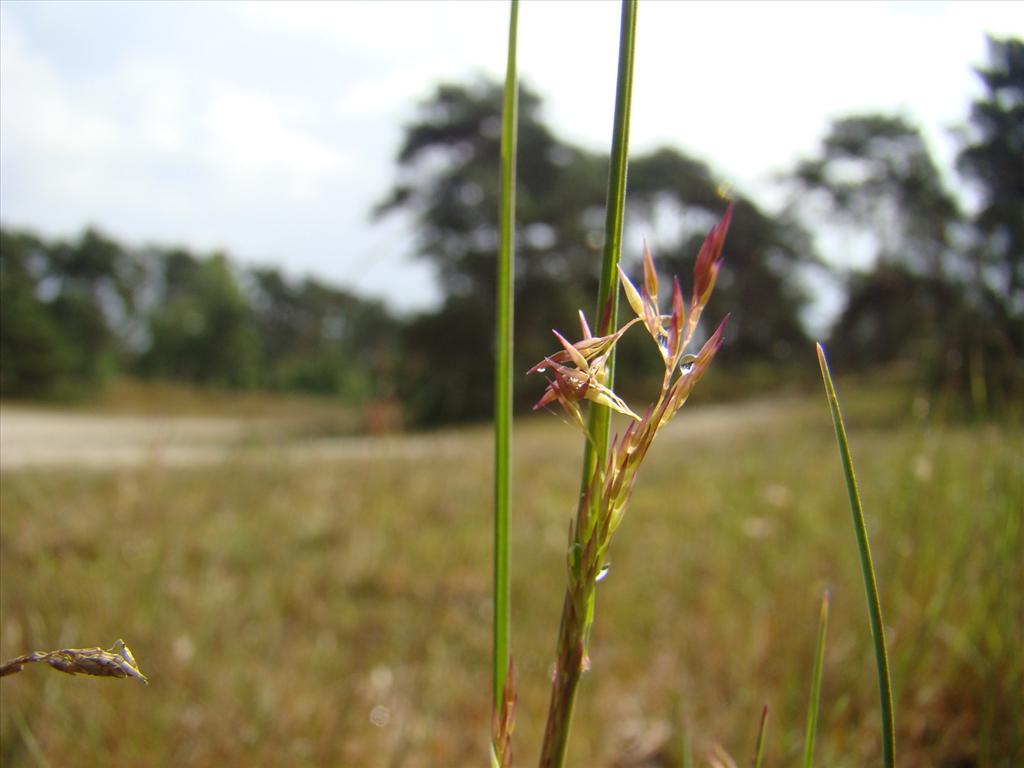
column 40, row 438
column 45, row 438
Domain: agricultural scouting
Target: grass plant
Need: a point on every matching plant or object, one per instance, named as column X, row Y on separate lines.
column 585, row 371
column 578, row 374
column 578, row 608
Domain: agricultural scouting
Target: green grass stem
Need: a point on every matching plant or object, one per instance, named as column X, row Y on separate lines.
column 606, row 312
column 615, row 211
column 503, row 364
column 574, row 628
column 599, row 419
column 870, row 583
column 814, row 704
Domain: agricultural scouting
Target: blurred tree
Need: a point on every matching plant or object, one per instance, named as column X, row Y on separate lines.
column 68, row 303
column 876, row 175
column 946, row 290
column 757, row 285
column 448, row 184
column 203, row 330
column 322, row 340
column 96, row 280
column 35, row 357
column 73, row 313
column 992, row 159
column 876, row 172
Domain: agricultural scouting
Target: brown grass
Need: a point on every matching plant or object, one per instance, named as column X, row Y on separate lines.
column 336, row 610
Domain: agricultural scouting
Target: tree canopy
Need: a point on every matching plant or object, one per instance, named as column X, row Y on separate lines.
column 76, row 312
column 447, row 184
column 944, row 291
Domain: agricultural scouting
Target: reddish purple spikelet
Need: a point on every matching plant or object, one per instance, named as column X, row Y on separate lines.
column 577, row 370
column 650, row 276
column 709, row 260
column 577, row 357
column 675, row 330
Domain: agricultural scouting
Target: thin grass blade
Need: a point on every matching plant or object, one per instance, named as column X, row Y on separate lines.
column 599, row 422
column 867, row 568
column 815, row 700
column 759, row 748
column 503, row 367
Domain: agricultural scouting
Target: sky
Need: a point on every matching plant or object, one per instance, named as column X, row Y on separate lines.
column 269, row 130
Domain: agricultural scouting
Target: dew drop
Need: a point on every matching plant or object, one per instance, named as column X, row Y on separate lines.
column 603, row 573
column 687, row 364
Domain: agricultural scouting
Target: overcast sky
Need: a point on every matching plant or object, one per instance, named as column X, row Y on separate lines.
column 269, row 130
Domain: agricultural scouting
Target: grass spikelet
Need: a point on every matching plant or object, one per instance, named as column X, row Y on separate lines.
column 115, row 661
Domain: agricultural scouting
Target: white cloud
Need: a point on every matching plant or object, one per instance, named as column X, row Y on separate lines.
column 48, row 137
column 152, row 134
column 245, row 139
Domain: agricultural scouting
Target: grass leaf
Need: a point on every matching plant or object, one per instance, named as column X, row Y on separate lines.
column 503, row 366
column 759, row 748
column 815, row 698
column 867, row 568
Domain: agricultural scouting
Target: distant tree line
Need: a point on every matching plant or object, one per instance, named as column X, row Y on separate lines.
column 75, row 313
column 945, row 293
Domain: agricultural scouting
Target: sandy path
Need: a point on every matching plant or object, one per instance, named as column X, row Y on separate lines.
column 46, row 438
column 31, row 437
column 43, row 438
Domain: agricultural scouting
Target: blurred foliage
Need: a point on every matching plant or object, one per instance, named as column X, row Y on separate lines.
column 993, row 160
column 33, row 353
column 448, row 186
column 204, row 330
column 944, row 295
column 75, row 313
column 62, row 304
column 946, row 290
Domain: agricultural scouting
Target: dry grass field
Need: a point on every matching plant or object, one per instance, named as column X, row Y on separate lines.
column 302, row 599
